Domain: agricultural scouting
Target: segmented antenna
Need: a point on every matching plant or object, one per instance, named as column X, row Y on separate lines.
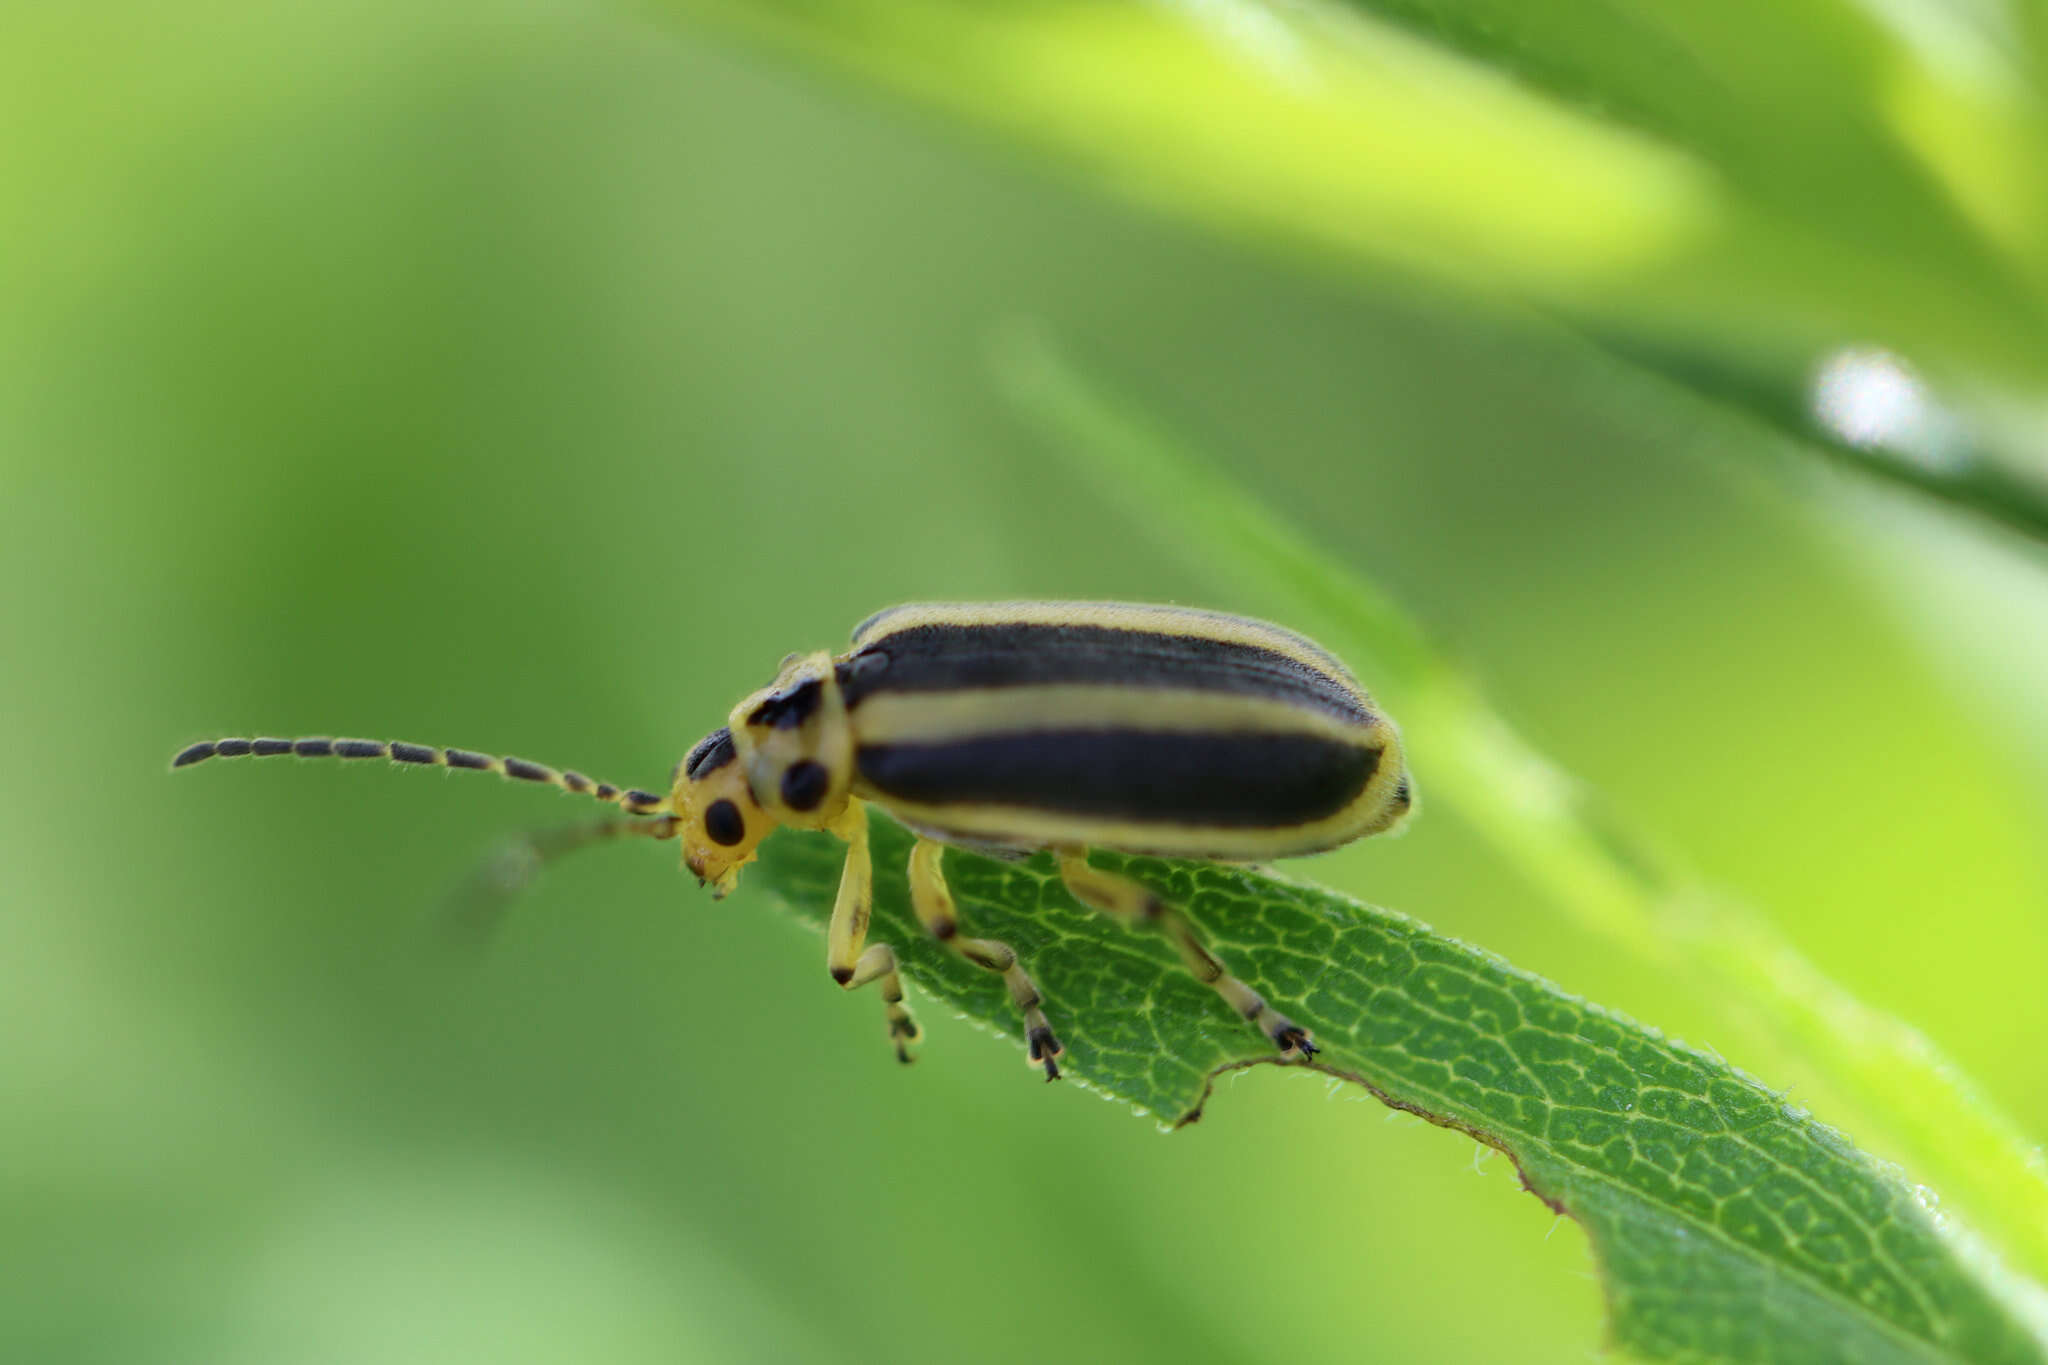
column 631, row 799
column 477, row 908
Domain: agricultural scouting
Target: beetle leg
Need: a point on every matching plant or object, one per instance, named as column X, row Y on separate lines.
column 1120, row 896
column 851, row 964
column 934, row 905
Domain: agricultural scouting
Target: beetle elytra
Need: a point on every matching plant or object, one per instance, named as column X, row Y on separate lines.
column 1008, row 728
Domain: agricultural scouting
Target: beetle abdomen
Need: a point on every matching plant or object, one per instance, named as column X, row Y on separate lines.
column 1153, row 729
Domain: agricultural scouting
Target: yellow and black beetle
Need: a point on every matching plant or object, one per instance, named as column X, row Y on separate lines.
column 1007, row 728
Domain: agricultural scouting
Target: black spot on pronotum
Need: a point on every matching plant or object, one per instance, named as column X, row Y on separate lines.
column 804, row 784
column 270, row 748
column 463, row 758
column 724, row 823
column 411, row 753
column 788, row 710
column 358, row 748
column 710, row 754
column 231, row 748
column 193, row 753
column 313, row 748
column 528, row 772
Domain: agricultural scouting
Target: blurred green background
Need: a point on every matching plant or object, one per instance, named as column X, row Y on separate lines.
column 532, row 377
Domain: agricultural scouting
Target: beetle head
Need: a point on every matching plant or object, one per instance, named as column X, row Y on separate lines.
column 720, row 822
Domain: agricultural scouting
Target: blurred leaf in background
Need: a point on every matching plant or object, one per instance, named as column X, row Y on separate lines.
column 1728, row 194
column 533, row 376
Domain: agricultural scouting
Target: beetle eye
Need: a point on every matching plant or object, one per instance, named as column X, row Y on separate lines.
column 724, row 823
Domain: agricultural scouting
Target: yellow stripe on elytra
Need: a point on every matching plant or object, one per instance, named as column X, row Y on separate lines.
column 1187, row 622
column 966, row 713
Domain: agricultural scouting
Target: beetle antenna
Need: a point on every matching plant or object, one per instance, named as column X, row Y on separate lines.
column 478, row 906
column 631, row 799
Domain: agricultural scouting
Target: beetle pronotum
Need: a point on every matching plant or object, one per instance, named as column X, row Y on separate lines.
column 1007, row 728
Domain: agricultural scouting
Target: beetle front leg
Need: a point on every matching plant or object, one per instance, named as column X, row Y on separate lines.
column 1120, row 896
column 852, row 965
column 933, row 902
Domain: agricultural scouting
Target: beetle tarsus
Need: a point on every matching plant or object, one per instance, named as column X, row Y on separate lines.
column 1294, row 1042
column 1044, row 1049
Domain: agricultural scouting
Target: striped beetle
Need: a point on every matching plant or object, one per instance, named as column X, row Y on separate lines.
column 1008, row 728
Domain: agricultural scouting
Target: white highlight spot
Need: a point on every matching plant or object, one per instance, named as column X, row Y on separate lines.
column 1874, row 400
column 1254, row 32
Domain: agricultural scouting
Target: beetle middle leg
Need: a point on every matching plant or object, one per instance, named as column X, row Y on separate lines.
column 933, row 902
column 851, row 964
column 1127, row 899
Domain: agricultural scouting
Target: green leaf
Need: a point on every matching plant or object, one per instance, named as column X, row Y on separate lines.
column 1728, row 1225
column 1609, row 879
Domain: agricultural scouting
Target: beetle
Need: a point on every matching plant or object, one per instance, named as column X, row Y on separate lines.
column 1006, row 729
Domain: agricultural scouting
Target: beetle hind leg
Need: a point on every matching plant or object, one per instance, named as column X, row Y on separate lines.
column 933, row 902
column 1126, row 899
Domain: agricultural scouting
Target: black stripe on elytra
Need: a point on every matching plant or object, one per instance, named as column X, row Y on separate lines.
column 1155, row 777
column 711, row 753
column 946, row 658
